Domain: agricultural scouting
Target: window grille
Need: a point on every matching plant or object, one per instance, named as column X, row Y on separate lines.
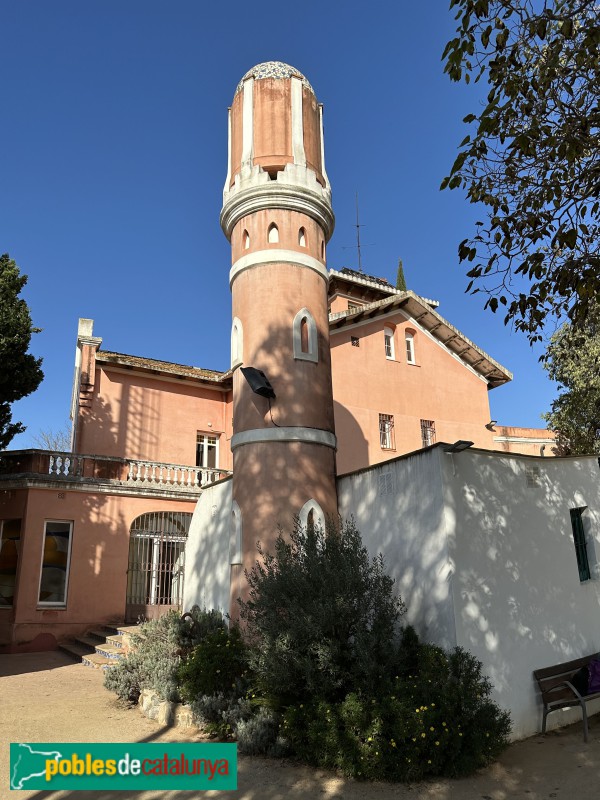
column 532, row 477
column 386, row 432
column 581, row 553
column 427, row 432
column 355, row 341
column 386, row 483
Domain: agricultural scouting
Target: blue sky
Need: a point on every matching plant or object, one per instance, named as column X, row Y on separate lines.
column 113, row 151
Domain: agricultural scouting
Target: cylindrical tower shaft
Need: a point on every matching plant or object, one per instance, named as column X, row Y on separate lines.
column 277, row 215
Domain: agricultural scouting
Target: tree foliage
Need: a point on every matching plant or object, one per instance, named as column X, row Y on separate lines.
column 400, row 279
column 533, row 158
column 573, row 360
column 20, row 372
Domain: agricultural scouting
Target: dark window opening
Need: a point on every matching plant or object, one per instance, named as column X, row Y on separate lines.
column 581, row 553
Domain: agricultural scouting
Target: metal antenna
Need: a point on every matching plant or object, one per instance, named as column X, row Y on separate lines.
column 358, row 226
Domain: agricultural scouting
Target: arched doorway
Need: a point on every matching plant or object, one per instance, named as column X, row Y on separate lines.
column 156, row 564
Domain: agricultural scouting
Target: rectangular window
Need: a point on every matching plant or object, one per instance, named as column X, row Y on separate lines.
column 355, row 341
column 410, row 349
column 386, row 432
column 55, row 563
column 10, row 541
column 207, row 451
column 581, row 553
column 427, row 432
column 389, row 343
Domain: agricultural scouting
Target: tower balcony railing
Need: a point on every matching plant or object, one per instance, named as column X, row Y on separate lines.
column 63, row 466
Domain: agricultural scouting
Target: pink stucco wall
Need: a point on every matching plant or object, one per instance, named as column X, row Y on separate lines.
column 365, row 384
column 98, row 568
column 138, row 416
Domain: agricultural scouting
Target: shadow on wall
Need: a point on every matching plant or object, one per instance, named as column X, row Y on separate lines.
column 398, row 507
column 517, row 580
column 355, row 446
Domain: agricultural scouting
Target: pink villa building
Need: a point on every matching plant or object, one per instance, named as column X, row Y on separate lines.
column 357, row 372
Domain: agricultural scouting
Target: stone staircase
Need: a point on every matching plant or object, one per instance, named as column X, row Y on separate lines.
column 101, row 647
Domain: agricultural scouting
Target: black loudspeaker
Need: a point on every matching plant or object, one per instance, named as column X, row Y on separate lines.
column 258, row 381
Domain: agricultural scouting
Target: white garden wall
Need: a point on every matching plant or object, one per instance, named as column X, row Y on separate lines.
column 207, row 565
column 483, row 555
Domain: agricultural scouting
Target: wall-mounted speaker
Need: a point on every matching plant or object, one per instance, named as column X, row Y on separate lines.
column 258, row 381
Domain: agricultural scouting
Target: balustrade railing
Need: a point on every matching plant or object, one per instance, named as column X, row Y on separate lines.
column 157, row 474
column 142, row 473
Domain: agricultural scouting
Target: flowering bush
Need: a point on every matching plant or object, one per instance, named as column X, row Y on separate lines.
column 437, row 720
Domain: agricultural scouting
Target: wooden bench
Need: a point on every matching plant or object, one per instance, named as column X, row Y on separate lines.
column 558, row 691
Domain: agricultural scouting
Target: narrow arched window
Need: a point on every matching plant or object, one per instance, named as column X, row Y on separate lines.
column 246, row 240
column 311, row 515
column 322, row 250
column 305, row 336
column 235, row 535
column 273, row 234
column 388, row 338
column 302, row 237
column 237, row 342
column 410, row 348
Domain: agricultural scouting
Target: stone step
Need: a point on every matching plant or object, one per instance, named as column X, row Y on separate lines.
column 114, row 640
column 110, row 651
column 76, row 649
column 102, row 632
column 97, row 661
column 128, row 629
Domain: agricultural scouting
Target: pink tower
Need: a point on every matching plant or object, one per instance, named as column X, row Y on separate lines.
column 277, row 215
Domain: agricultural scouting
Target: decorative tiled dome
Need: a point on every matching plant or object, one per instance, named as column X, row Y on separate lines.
column 273, row 69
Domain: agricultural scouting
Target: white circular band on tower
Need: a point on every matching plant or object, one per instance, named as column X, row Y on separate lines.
column 284, row 434
column 274, row 195
column 274, row 256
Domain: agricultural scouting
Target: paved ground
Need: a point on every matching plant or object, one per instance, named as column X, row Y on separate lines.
column 46, row 698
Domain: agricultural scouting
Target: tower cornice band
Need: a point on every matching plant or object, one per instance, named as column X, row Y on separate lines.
column 273, row 256
column 284, row 434
column 276, row 196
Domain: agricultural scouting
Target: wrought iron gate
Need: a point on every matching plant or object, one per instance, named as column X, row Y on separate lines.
column 156, row 564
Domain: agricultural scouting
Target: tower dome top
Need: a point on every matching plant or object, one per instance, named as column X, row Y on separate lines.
column 273, row 69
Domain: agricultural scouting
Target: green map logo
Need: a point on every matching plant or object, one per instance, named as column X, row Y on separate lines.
column 110, row 766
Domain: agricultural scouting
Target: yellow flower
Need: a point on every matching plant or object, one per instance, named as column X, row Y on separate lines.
column 414, row 740
column 422, row 736
column 437, row 744
column 431, row 729
column 417, row 710
column 444, row 724
column 433, row 705
column 429, row 761
column 460, row 734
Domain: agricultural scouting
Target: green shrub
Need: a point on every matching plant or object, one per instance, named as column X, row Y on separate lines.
column 321, row 617
column 439, row 720
column 157, row 653
column 259, row 734
column 217, row 665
